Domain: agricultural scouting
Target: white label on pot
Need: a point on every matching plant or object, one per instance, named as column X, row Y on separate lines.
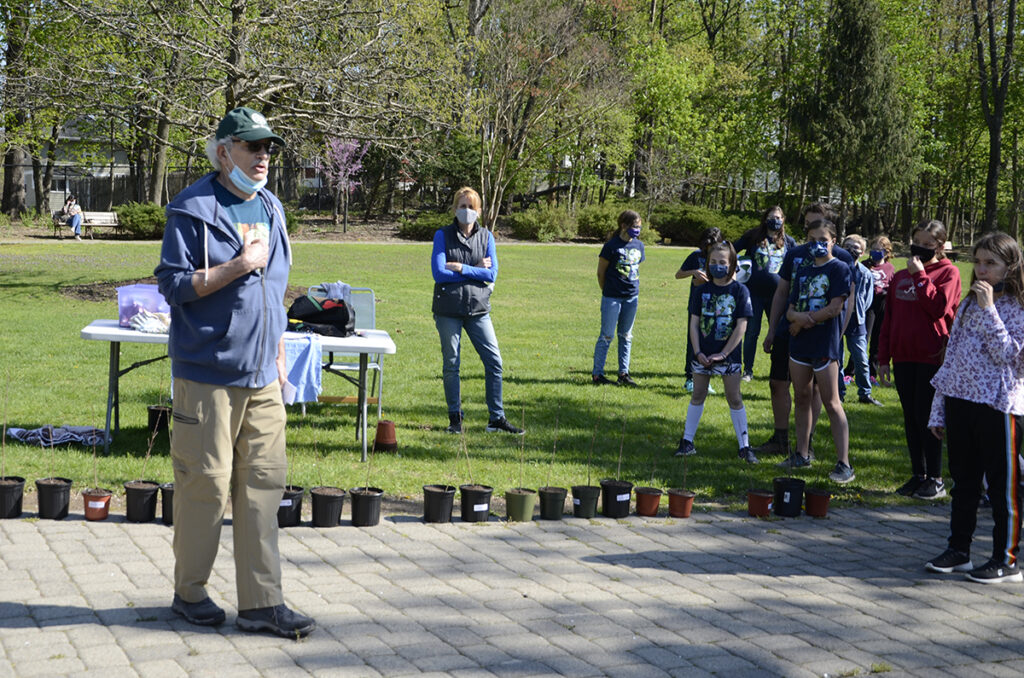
column 575, row 501
column 785, row 497
column 770, row 504
column 622, row 497
column 97, row 504
column 479, row 507
column 286, row 502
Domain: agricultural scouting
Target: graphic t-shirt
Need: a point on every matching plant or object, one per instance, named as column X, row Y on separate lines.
column 693, row 261
column 882, row 272
column 799, row 258
column 622, row 278
column 812, row 289
column 248, row 216
column 718, row 309
column 766, row 261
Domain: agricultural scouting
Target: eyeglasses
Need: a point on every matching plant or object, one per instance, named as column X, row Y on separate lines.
column 255, row 147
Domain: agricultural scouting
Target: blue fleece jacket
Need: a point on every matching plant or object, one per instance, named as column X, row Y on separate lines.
column 230, row 337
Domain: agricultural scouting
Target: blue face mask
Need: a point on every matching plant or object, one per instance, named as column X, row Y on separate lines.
column 877, row 255
column 774, row 224
column 243, row 183
column 634, row 232
column 718, row 271
column 818, row 249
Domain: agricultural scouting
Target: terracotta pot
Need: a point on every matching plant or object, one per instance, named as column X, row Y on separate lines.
column 385, row 440
column 97, row 503
column 680, row 503
column 816, row 501
column 759, row 503
column 648, row 499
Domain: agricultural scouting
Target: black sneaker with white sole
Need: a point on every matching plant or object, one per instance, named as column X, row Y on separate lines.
column 950, row 561
column 204, row 613
column 685, row 448
column 931, row 488
column 994, row 572
column 747, row 455
column 503, row 426
column 910, row 487
column 454, row 422
column 278, row 620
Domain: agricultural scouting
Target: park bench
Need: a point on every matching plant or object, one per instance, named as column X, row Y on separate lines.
column 90, row 220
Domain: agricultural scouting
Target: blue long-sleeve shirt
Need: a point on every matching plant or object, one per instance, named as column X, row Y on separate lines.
column 443, row 275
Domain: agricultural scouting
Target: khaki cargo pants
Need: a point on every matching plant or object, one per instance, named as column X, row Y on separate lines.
column 225, row 439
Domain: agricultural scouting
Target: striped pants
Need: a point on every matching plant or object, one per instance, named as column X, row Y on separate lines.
column 982, row 441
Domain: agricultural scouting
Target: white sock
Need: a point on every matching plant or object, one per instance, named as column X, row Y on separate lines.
column 739, row 424
column 693, row 415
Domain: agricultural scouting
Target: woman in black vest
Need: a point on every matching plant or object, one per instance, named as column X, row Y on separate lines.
column 465, row 266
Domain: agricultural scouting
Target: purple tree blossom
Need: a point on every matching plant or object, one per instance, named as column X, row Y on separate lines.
column 343, row 160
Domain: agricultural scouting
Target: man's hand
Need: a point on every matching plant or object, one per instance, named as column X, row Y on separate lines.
column 883, row 375
column 254, row 254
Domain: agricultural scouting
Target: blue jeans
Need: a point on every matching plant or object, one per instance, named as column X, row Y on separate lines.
column 75, row 222
column 481, row 332
column 857, row 344
column 761, row 307
column 615, row 313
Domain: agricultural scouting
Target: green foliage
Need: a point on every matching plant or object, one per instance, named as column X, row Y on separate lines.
column 543, row 223
column 684, row 224
column 597, row 222
column 142, row 219
column 423, row 226
column 292, row 218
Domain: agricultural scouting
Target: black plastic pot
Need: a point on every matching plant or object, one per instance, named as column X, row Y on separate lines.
column 584, row 500
column 552, row 502
column 54, row 497
column 167, row 503
column 789, row 496
column 615, row 496
column 140, row 500
column 475, row 502
column 327, row 505
column 366, row 505
column 438, row 501
column 159, row 417
column 12, row 489
column 289, row 511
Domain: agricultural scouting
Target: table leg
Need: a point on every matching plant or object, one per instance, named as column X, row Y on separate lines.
column 362, row 397
column 112, row 391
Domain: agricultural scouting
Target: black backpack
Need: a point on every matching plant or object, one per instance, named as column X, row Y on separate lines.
column 332, row 317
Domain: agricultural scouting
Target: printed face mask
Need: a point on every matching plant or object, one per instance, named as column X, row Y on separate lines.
column 466, row 216
column 922, row 253
column 877, row 255
column 774, row 223
column 818, row 249
column 718, row 271
column 634, row 232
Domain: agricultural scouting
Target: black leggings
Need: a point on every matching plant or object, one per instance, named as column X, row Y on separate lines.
column 984, row 442
column 913, row 384
column 873, row 327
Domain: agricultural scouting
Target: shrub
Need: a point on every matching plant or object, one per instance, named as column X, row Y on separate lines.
column 142, row 219
column 292, row 219
column 684, row 224
column 423, row 226
column 598, row 221
column 543, row 223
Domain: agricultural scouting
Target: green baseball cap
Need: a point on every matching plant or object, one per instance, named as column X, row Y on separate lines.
column 248, row 125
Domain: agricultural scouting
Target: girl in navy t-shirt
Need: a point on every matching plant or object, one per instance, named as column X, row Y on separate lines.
column 694, row 266
column 618, row 274
column 815, row 317
column 719, row 311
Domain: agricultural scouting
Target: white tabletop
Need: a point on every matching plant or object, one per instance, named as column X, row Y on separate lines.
column 363, row 341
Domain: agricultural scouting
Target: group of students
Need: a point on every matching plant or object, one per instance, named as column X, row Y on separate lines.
column 958, row 367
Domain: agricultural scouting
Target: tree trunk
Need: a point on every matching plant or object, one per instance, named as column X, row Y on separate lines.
column 156, row 179
column 13, row 204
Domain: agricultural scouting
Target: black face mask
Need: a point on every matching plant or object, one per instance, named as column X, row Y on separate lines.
column 922, row 253
column 999, row 287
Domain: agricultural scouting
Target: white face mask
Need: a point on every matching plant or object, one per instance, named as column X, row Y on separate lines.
column 466, row 216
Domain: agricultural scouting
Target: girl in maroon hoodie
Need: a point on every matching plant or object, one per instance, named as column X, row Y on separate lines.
column 921, row 304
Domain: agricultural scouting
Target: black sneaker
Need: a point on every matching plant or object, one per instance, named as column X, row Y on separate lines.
column 685, row 448
column 626, row 380
column 950, row 561
column 868, row 400
column 601, row 380
column 203, row 613
column 279, row 620
column 910, row 487
column 747, row 455
column 842, row 473
column 774, row 446
column 503, row 426
column 995, row 573
column 454, row 422
column 931, row 488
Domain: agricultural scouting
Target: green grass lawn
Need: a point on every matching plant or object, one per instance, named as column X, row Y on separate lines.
column 546, row 315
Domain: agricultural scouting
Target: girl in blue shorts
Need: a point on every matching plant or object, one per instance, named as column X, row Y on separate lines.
column 815, row 317
column 719, row 311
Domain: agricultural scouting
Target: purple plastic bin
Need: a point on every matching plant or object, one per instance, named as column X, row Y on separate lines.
column 131, row 299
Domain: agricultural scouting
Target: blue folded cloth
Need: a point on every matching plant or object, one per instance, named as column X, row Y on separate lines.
column 303, row 356
column 338, row 290
column 49, row 436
